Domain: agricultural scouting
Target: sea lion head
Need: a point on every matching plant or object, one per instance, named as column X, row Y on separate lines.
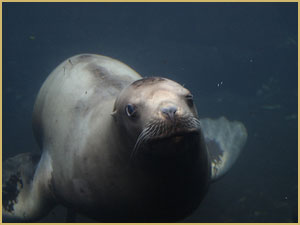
column 158, row 116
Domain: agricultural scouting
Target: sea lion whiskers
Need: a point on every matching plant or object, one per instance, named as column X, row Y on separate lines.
column 149, row 131
column 160, row 129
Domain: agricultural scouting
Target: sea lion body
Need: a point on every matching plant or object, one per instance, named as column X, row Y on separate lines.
column 91, row 170
column 115, row 147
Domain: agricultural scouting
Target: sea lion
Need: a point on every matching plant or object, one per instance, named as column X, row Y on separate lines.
column 117, row 147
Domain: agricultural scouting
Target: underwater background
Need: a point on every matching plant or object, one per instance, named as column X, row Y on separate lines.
column 238, row 59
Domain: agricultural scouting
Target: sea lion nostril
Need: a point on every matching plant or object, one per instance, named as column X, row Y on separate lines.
column 169, row 111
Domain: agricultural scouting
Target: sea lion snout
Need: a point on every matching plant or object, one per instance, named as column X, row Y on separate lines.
column 169, row 112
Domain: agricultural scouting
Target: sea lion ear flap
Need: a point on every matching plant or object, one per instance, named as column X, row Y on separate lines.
column 224, row 140
column 114, row 112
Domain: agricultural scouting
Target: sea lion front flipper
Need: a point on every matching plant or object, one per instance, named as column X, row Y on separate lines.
column 224, row 140
column 25, row 190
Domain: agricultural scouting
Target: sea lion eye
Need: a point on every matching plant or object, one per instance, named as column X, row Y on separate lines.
column 130, row 110
column 189, row 99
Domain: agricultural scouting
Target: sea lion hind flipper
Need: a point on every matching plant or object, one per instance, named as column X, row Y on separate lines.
column 24, row 194
column 224, row 140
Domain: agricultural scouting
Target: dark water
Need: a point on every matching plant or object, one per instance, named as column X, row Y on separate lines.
column 238, row 59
